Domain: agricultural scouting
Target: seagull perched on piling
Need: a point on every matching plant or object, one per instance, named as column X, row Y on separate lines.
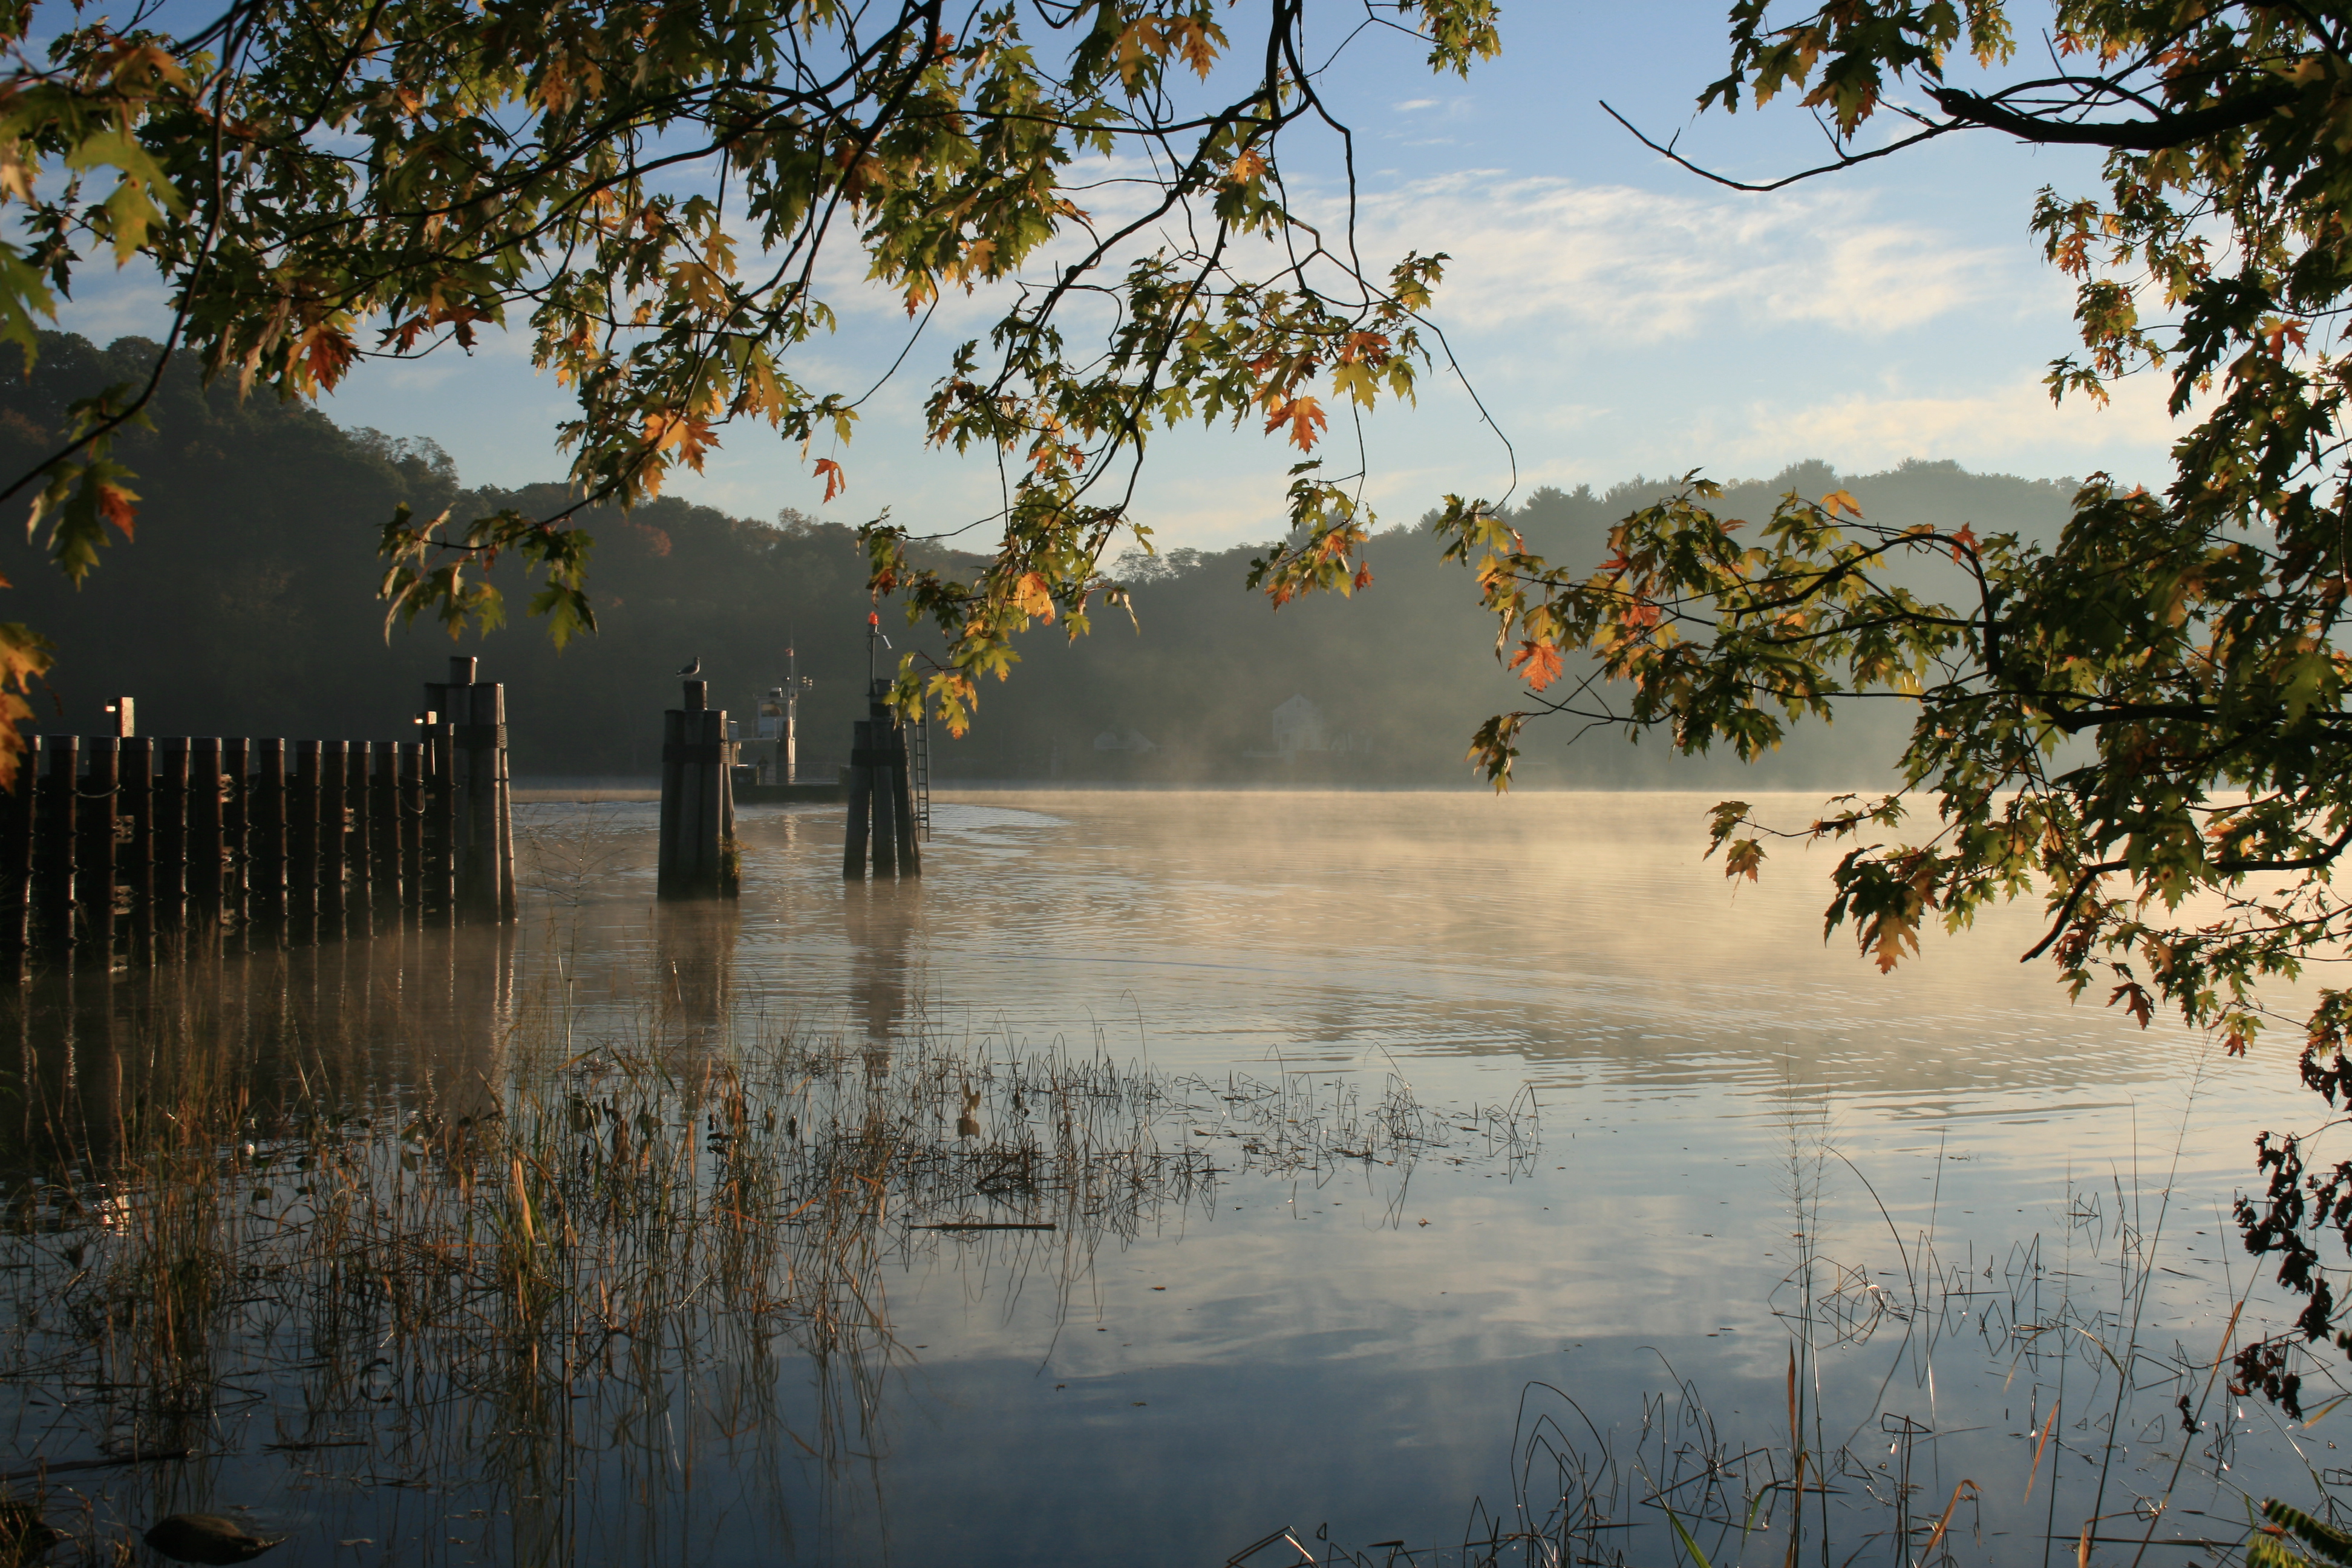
column 692, row 668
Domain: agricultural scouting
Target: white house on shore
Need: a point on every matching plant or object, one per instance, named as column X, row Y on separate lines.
column 1300, row 726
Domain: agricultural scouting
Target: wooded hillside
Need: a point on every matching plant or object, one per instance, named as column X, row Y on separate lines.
column 246, row 605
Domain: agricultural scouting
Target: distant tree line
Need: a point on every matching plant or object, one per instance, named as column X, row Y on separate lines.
column 247, row 605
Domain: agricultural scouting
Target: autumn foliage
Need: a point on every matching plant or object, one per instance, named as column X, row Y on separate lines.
column 654, row 195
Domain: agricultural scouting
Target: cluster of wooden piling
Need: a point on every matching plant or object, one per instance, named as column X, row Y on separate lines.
column 882, row 818
column 698, row 858
column 113, row 844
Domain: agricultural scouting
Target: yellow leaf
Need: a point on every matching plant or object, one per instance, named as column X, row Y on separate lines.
column 1031, row 594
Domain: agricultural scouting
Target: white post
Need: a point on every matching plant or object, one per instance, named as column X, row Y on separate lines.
column 788, row 747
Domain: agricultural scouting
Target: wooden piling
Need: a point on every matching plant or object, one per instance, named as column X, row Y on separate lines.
column 410, row 803
column 302, row 846
column 697, row 853
column 265, row 860
column 720, row 858
column 334, row 836
column 480, row 845
column 861, row 800
column 883, row 824
column 694, row 826
column 483, row 871
column 93, row 852
column 498, row 797
column 441, row 827
column 886, row 797
column 910, row 856
column 134, row 848
column 384, row 835
column 53, row 849
column 237, row 764
column 167, row 889
column 208, row 841
column 359, row 850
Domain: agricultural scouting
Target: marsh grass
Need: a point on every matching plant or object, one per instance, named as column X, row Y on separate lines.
column 2133, row 1445
column 408, row 1287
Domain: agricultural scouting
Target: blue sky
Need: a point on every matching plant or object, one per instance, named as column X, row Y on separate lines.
column 1617, row 315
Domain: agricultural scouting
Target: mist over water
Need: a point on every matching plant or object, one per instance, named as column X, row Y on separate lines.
column 1661, row 1124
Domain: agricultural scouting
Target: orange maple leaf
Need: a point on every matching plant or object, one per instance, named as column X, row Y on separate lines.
column 1540, row 661
column 1363, row 575
column 1304, row 416
column 327, row 354
column 1964, row 539
column 836, row 481
column 694, row 439
column 114, row 505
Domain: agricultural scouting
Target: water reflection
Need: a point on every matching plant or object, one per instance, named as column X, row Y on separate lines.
column 694, row 968
column 883, row 922
column 427, row 1011
column 1086, row 1198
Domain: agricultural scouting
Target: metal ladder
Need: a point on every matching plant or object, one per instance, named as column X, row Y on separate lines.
column 918, row 770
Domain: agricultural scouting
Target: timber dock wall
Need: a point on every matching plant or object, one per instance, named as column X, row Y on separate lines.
column 111, row 846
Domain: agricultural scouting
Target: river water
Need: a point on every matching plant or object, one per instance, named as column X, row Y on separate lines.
column 1670, row 1145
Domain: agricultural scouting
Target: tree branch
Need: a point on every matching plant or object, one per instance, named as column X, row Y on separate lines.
column 2166, row 130
column 1843, row 162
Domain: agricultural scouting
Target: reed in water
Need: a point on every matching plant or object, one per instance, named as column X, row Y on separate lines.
column 494, row 1273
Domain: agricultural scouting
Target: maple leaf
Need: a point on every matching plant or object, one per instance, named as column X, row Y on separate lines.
column 1890, row 936
column 1245, row 168
column 694, row 439
column 1034, row 596
column 2139, row 1003
column 1743, row 857
column 836, row 481
column 1838, row 501
column 1966, row 539
column 114, row 505
column 1540, row 661
column 2283, row 334
column 1363, row 575
column 1304, row 416
column 326, row 355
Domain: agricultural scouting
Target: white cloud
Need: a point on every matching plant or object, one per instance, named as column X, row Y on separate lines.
column 2011, row 427
column 1640, row 265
